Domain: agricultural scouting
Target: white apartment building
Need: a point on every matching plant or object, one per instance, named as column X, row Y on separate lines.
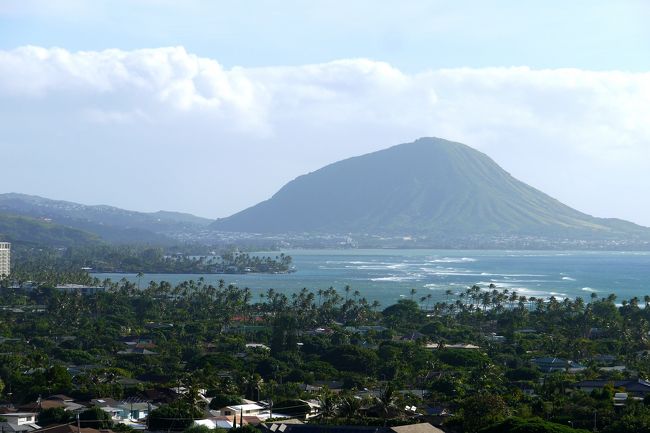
column 5, row 258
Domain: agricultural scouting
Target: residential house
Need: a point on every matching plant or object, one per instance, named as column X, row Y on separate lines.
column 257, row 346
column 215, row 422
column 245, row 409
column 365, row 329
column 124, row 412
column 80, row 288
column 413, row 336
column 437, row 414
column 332, row 385
column 109, row 406
column 68, row 402
column 19, row 422
column 551, row 364
column 312, row 389
column 604, row 359
column 464, row 346
column 138, row 351
column 135, row 410
column 620, row 398
column 495, row 338
column 633, row 387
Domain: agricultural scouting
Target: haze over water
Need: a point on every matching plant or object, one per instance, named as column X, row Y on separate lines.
column 389, row 275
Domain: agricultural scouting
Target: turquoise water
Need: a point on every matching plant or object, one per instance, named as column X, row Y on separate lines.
column 389, row 275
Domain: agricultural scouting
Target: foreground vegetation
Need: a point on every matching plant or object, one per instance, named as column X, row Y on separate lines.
column 363, row 364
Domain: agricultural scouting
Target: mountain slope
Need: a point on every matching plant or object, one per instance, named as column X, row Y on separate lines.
column 110, row 223
column 32, row 232
column 430, row 187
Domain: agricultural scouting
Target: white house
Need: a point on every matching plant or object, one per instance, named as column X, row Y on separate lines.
column 19, row 422
column 248, row 409
column 80, row 288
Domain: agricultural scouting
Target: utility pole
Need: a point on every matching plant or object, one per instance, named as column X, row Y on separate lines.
column 148, row 412
column 78, row 424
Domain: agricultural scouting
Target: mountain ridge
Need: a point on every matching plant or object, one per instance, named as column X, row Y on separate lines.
column 111, row 223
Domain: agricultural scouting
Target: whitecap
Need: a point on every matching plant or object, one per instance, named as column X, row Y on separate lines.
column 568, row 279
column 588, row 289
column 453, row 260
column 397, row 278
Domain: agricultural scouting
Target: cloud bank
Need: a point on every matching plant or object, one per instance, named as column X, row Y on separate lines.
column 163, row 128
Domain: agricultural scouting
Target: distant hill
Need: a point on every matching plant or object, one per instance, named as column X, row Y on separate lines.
column 32, row 232
column 110, row 223
column 431, row 187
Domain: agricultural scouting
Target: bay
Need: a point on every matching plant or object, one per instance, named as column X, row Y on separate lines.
column 389, row 275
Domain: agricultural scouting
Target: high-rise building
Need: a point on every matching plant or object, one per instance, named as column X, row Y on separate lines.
column 5, row 258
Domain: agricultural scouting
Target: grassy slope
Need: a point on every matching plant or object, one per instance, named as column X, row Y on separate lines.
column 28, row 231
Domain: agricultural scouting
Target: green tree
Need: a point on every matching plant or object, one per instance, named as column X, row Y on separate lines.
column 536, row 425
column 198, row 429
column 96, row 418
column 405, row 312
column 293, row 407
column 55, row 415
column 176, row 416
column 482, row 410
column 223, row 400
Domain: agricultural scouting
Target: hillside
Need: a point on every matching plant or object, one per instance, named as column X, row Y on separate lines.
column 431, row 187
column 32, row 232
column 110, row 223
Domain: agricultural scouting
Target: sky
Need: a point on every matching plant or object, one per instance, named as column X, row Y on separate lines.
column 209, row 107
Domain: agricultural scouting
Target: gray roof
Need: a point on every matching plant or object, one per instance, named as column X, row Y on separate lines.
column 416, row 428
column 634, row 385
column 11, row 427
column 315, row 428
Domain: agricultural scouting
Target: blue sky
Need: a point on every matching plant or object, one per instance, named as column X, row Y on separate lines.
column 157, row 104
column 411, row 35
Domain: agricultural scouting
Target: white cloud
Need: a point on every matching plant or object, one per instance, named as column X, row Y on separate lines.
column 566, row 131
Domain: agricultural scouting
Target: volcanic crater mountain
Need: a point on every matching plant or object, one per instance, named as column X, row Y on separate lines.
column 430, row 187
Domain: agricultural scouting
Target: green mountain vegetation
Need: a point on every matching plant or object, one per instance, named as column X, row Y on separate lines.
column 27, row 231
column 110, row 223
column 431, row 187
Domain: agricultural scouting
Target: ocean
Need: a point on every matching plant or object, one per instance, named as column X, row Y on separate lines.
column 389, row 275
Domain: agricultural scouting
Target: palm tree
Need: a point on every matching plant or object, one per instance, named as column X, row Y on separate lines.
column 252, row 384
column 350, row 406
column 387, row 401
column 328, row 404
